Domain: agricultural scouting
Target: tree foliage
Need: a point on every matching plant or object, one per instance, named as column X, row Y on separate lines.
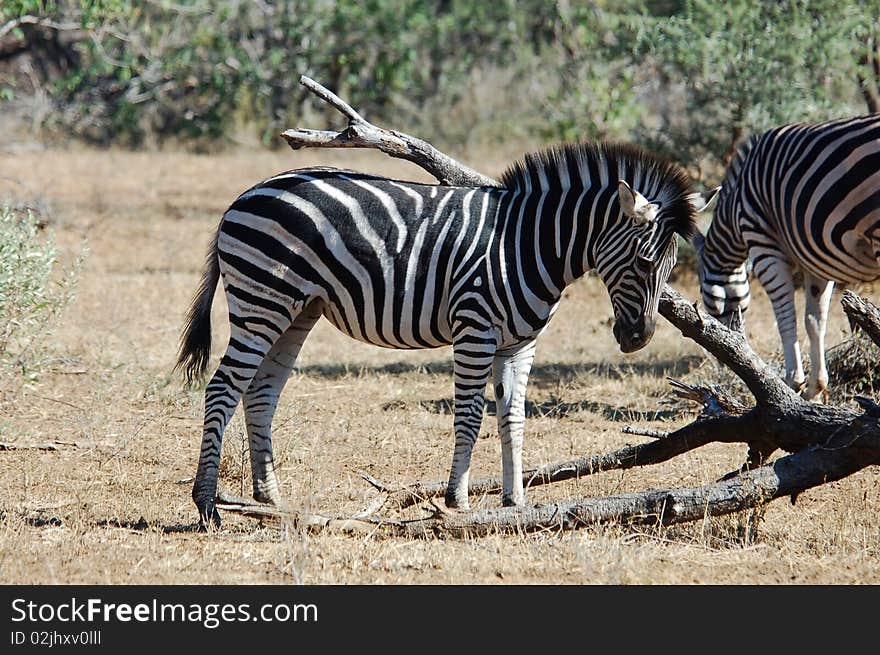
column 737, row 67
column 689, row 77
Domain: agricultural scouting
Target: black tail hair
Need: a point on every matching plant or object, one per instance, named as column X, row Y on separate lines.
column 195, row 342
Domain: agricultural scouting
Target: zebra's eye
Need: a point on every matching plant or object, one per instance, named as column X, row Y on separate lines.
column 644, row 264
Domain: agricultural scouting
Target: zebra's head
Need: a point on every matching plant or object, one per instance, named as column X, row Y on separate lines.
column 725, row 291
column 638, row 257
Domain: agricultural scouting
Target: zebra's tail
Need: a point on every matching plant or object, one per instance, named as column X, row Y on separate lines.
column 195, row 341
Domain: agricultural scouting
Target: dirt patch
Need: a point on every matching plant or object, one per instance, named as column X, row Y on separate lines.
column 111, row 504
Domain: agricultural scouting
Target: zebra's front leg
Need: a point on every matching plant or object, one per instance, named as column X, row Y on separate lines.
column 818, row 299
column 776, row 278
column 511, row 374
column 473, row 352
column 261, row 400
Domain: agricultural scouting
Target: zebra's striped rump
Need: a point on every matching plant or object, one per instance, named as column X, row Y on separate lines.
column 406, row 265
column 803, row 196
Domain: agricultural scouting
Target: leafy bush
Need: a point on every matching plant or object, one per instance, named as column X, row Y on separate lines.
column 29, row 297
column 687, row 77
column 739, row 67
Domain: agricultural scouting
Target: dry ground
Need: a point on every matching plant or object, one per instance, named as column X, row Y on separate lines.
column 112, row 503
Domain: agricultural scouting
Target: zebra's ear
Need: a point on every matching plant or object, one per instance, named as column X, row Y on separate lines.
column 634, row 205
column 702, row 202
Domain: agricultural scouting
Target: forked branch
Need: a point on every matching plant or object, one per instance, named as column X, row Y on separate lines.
column 362, row 134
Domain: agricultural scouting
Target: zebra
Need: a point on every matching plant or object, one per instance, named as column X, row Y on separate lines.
column 406, row 265
column 801, row 196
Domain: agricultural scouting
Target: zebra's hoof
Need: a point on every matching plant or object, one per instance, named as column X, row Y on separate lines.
column 209, row 518
column 453, row 503
column 815, row 395
column 267, row 498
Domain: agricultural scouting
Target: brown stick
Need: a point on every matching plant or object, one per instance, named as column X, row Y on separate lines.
column 363, row 134
column 7, row 445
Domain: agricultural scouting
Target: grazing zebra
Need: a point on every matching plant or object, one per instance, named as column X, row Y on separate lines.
column 407, row 265
column 801, row 196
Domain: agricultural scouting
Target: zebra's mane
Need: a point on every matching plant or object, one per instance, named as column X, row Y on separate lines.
column 640, row 167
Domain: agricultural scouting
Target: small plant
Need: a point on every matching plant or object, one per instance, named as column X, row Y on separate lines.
column 31, row 297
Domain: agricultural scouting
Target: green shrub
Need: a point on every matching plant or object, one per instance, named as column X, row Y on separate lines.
column 32, row 295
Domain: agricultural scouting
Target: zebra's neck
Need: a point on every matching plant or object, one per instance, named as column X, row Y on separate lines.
column 725, row 250
column 556, row 225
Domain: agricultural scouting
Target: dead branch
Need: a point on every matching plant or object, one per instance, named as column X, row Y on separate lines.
column 842, row 455
column 729, row 347
column 862, row 314
column 825, row 443
column 363, row 134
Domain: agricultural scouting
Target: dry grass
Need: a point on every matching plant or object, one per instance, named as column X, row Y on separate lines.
column 112, row 504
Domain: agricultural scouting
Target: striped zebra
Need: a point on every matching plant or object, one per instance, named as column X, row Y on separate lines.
column 803, row 196
column 407, row 265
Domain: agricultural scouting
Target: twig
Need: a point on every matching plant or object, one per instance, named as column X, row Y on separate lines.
column 645, row 432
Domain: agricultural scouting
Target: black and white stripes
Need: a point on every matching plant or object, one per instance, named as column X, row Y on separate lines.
column 406, row 265
column 801, row 196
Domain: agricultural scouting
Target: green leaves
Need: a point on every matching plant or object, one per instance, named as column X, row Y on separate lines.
column 687, row 77
column 743, row 67
column 29, row 296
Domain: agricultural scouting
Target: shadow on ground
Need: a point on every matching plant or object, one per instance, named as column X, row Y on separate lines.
column 549, row 374
column 552, row 408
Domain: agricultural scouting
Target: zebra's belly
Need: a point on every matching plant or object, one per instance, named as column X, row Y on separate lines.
column 401, row 331
column 852, row 257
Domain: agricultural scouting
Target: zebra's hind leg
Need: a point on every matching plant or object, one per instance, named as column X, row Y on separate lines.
column 473, row 352
column 818, row 300
column 511, row 374
column 261, row 400
column 776, row 277
column 243, row 357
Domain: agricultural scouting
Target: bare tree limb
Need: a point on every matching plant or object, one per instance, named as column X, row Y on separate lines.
column 363, row 134
column 730, row 348
column 788, row 476
column 14, row 23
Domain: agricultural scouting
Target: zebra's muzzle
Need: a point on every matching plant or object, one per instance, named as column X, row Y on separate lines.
column 633, row 336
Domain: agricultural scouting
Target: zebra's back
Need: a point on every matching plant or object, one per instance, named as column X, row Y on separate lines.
column 813, row 192
column 383, row 255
